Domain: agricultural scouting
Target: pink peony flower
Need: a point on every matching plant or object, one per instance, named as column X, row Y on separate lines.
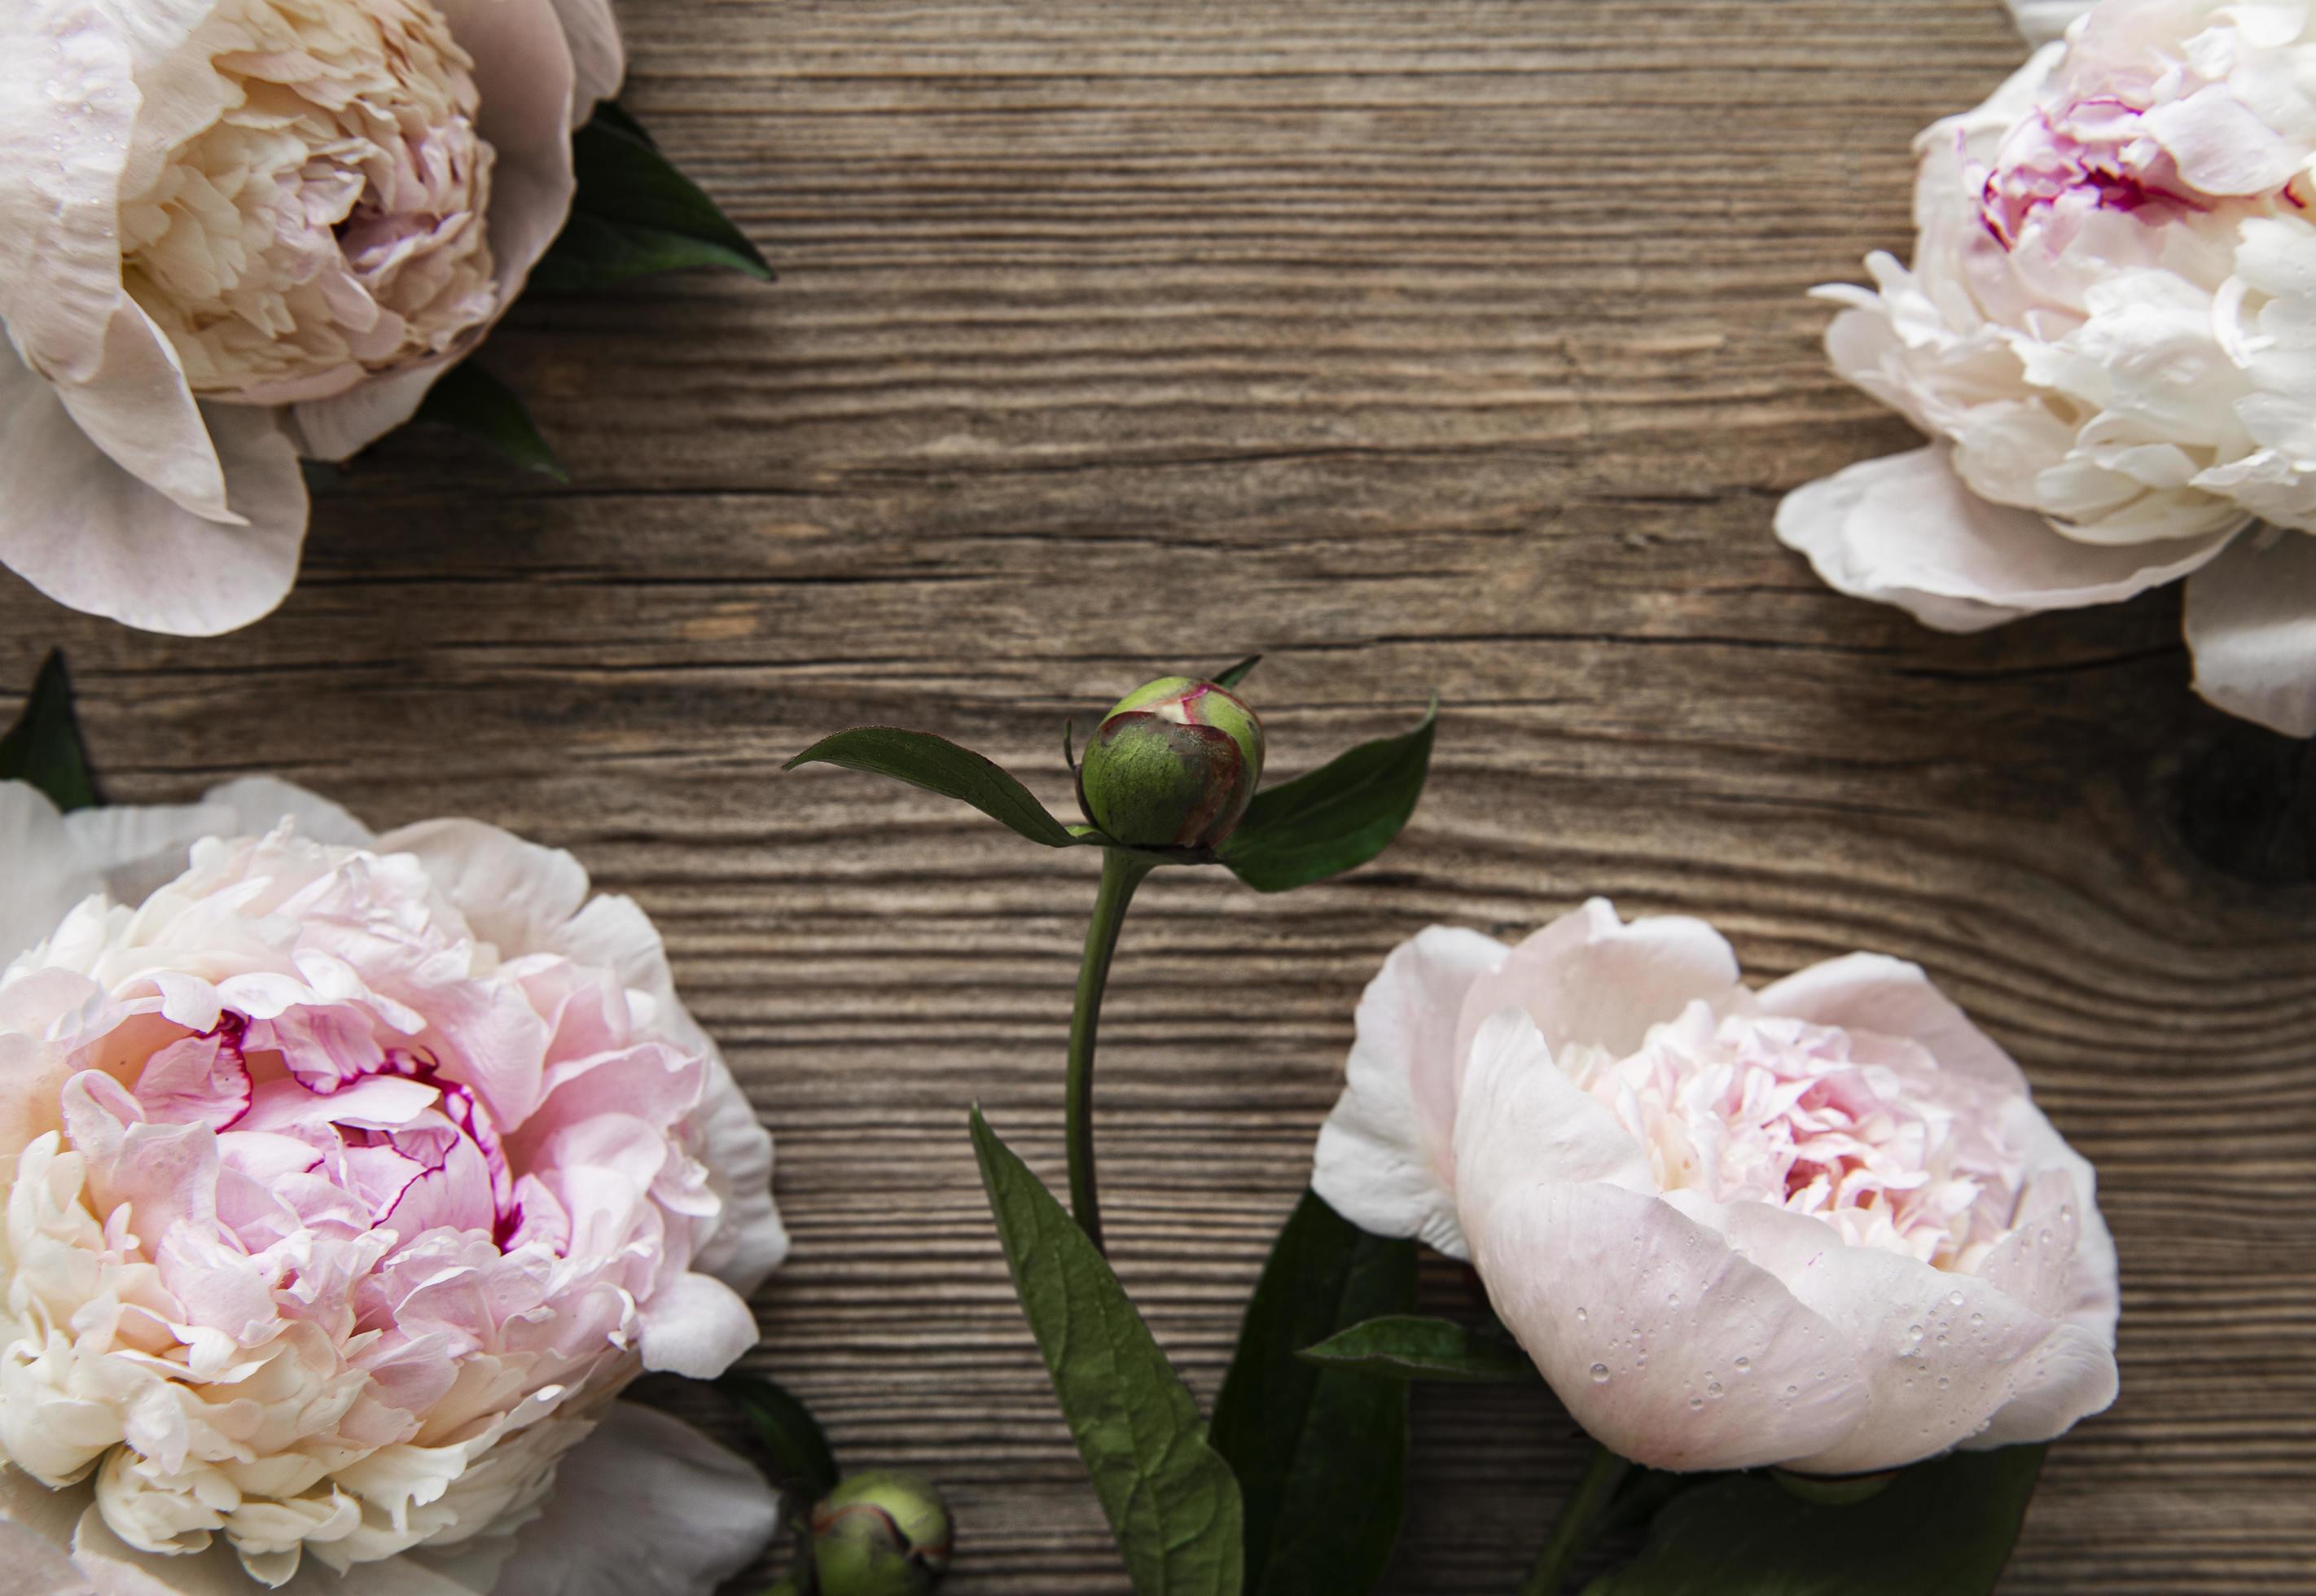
column 1823, row 1225
column 2107, row 333
column 349, row 1180
column 233, row 232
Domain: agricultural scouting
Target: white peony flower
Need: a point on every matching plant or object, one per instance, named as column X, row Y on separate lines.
column 347, row 1182
column 2109, row 333
column 1821, row 1225
column 233, row 232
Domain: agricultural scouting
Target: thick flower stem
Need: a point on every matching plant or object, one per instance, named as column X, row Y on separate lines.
column 1572, row 1532
column 1121, row 873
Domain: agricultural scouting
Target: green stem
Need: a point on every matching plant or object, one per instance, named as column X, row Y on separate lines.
column 1580, row 1516
column 1121, row 873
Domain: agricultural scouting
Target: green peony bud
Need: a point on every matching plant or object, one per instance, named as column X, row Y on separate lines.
column 883, row 1533
column 1174, row 765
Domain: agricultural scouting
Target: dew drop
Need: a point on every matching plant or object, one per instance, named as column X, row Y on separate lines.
column 1694, row 1403
column 1913, row 1333
column 1744, row 1365
column 1954, row 1299
column 1713, row 1389
column 1792, row 1390
column 1582, row 1317
column 1944, row 1382
column 1977, row 1320
column 1600, row 1374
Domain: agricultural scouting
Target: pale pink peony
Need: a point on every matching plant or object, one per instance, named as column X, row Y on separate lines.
column 349, row 1180
column 1823, row 1225
column 2109, row 331
column 233, row 232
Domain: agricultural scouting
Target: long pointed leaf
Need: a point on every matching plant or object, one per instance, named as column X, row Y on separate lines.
column 635, row 214
column 44, row 746
column 470, row 400
column 1336, row 819
column 938, row 765
column 1172, row 1503
column 1321, row 1455
column 1405, row 1347
column 1238, row 673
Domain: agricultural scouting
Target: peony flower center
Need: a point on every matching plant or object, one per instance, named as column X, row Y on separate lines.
column 2095, row 155
column 1762, row 1109
column 313, row 209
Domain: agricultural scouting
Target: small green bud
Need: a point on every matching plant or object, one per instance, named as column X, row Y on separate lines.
column 883, row 1533
column 1173, row 765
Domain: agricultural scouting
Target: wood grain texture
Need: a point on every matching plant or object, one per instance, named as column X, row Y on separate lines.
column 1458, row 344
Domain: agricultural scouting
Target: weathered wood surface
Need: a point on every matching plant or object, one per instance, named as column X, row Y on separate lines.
column 1437, row 343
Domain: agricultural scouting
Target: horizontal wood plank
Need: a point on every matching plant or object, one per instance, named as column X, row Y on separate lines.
column 1458, row 346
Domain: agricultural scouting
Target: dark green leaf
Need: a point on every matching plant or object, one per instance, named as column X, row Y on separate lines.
column 635, row 214
column 1321, row 1455
column 1238, row 673
column 472, row 401
column 1405, row 1347
column 938, row 765
column 44, row 748
column 1944, row 1528
column 1338, row 817
column 1171, row 1501
column 787, row 1430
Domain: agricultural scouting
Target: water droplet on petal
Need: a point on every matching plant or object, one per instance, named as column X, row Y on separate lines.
column 1744, row 1364
column 1954, row 1299
column 1694, row 1403
column 1581, row 1317
column 1600, row 1374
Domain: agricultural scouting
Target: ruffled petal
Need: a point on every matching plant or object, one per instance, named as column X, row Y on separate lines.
column 1868, row 992
column 1386, row 1156
column 696, row 1327
column 1665, row 1344
column 1904, row 530
column 645, row 1504
column 48, row 873
column 93, row 537
column 260, row 802
column 1591, row 980
column 513, row 893
column 2251, row 625
column 2043, row 20
column 749, row 1241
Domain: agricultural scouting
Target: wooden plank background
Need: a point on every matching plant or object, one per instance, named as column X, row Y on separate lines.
column 1458, row 343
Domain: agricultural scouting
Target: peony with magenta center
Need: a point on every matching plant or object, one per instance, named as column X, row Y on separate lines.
column 346, row 1186
column 309, row 209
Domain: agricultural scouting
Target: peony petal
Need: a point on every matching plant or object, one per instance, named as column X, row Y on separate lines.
column 2220, row 144
column 597, row 56
column 260, row 802
column 2042, row 21
column 1889, row 997
column 2251, row 625
column 1590, row 979
column 31, row 1566
column 696, row 1327
column 1666, row 1345
column 513, row 893
column 1941, row 1353
column 137, row 847
column 749, row 1242
column 46, row 873
column 1386, row 1155
column 93, row 537
column 342, row 426
column 1521, row 1119
column 1904, row 530
column 645, row 1504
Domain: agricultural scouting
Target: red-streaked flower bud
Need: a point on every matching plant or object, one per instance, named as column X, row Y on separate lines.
column 883, row 1533
column 1173, row 765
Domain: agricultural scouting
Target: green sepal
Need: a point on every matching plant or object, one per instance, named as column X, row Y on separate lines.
column 1172, row 1500
column 469, row 399
column 1408, row 1347
column 635, row 214
column 1337, row 817
column 1320, row 1454
column 938, row 765
column 44, row 747
column 798, row 1447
